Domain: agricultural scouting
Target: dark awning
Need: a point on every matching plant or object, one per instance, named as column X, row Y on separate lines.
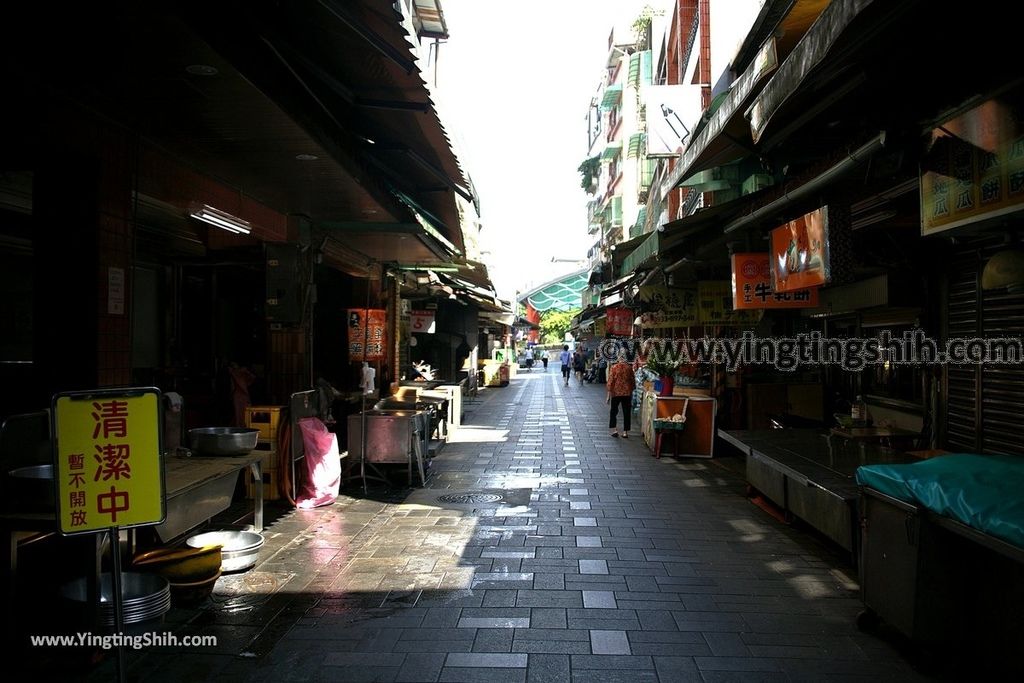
column 623, row 249
column 726, row 137
column 678, row 231
column 809, row 53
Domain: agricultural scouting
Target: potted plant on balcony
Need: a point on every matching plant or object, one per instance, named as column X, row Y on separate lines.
column 665, row 370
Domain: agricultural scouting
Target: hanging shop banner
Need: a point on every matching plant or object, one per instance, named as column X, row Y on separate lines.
column 358, row 319
column 799, row 252
column 714, row 302
column 619, row 322
column 974, row 168
column 107, row 463
column 668, row 306
column 752, row 286
column 600, row 329
column 422, row 322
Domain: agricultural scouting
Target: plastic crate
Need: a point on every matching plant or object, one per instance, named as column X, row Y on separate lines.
column 264, row 418
column 270, row 459
column 270, row 488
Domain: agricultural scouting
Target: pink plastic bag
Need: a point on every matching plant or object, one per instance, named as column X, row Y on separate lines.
column 323, row 464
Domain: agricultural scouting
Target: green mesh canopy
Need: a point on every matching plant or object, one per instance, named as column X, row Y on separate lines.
column 559, row 295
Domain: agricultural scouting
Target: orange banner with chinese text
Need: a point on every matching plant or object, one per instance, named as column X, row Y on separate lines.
column 358, row 335
column 752, row 286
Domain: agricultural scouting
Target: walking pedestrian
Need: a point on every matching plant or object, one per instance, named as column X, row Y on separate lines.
column 566, row 358
column 621, row 384
column 578, row 366
column 544, row 359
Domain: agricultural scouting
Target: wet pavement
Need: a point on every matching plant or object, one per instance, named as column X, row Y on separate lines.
column 541, row 550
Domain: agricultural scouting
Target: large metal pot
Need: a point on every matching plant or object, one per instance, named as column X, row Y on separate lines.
column 239, row 549
column 31, row 488
column 223, row 440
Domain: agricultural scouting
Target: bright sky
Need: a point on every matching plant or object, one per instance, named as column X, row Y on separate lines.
column 516, row 79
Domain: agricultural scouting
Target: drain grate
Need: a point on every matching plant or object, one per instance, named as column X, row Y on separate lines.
column 463, row 498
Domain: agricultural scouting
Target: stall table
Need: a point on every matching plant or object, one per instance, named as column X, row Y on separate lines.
column 809, row 473
column 197, row 488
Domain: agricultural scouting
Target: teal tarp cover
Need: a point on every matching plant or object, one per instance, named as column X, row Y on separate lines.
column 985, row 492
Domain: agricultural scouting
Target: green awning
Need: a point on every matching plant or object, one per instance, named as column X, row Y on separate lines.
column 711, row 180
column 647, row 249
column 637, row 145
column 638, row 225
column 612, row 96
column 640, row 68
column 611, row 151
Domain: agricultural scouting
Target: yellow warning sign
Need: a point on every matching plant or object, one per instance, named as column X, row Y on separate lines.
column 107, row 466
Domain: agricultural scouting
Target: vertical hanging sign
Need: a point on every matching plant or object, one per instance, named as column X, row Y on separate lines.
column 108, row 470
column 366, row 327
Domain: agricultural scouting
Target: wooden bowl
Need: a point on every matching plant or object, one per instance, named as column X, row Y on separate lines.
column 182, row 565
column 192, row 592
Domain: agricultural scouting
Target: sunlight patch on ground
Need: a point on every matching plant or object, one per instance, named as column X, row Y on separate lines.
column 751, row 530
column 474, row 434
column 811, row 587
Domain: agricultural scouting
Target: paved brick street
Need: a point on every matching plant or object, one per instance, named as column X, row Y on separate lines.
column 578, row 557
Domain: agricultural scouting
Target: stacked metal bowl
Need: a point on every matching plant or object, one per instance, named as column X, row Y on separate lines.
column 146, row 598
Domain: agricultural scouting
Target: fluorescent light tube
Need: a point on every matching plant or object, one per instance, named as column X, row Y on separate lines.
column 222, row 220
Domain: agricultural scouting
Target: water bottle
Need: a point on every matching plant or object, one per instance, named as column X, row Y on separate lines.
column 858, row 412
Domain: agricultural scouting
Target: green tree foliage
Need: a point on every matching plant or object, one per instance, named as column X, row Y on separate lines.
column 554, row 325
column 589, row 170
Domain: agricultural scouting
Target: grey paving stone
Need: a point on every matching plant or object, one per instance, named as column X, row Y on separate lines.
column 593, row 567
column 744, row 664
column 727, row 645
column 494, row 622
column 602, row 599
column 421, row 667
column 609, row 643
column 485, row 675
column 499, row 598
column 548, row 618
column 565, row 647
column 676, row 668
column 547, row 668
column 486, row 660
column 533, row 598
column 632, row 663
column 493, row 640
column 548, row 581
column 613, row 676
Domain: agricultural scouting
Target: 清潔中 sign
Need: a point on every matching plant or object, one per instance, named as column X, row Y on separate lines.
column 107, row 462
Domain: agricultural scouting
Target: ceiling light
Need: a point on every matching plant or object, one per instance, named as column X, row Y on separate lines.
column 201, row 70
column 222, row 220
column 306, row 157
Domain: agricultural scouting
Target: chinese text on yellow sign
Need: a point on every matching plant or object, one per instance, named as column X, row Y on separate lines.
column 108, row 465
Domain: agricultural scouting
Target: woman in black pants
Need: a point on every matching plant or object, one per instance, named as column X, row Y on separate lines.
column 621, row 384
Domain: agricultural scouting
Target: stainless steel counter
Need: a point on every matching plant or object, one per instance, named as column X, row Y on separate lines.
column 809, row 473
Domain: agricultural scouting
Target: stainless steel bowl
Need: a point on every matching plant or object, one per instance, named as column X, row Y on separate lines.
column 223, row 440
column 32, row 488
column 145, row 596
column 239, row 549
